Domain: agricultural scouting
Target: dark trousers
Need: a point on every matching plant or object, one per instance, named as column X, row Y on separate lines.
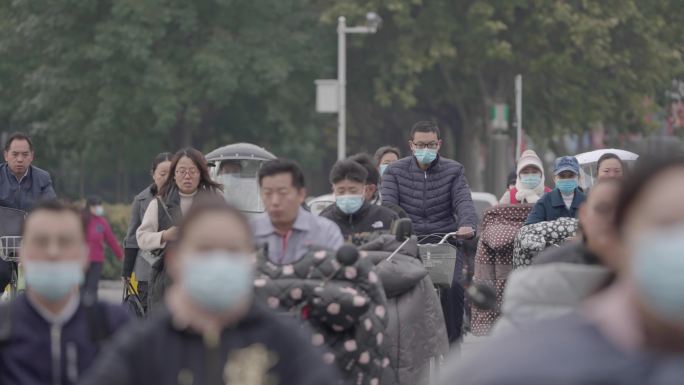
column 92, row 280
column 5, row 275
column 453, row 302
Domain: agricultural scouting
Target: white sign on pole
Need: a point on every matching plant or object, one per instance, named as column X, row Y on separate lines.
column 327, row 95
column 498, row 115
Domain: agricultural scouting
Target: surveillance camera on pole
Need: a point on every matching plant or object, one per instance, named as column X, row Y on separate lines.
column 373, row 21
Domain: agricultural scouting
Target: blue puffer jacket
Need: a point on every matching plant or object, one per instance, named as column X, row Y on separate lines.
column 430, row 198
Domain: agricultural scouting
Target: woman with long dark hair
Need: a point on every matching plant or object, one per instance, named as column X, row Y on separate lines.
column 98, row 232
column 188, row 177
column 134, row 260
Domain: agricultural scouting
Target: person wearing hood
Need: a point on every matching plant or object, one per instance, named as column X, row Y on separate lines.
column 565, row 200
column 530, row 182
column 352, row 212
column 562, row 277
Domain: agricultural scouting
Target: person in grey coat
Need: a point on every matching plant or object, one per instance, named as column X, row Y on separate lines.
column 434, row 192
column 133, row 259
column 416, row 332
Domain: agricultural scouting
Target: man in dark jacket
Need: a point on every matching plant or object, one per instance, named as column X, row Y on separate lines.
column 21, row 185
column 49, row 335
column 434, row 192
column 352, row 212
column 564, row 201
column 373, row 184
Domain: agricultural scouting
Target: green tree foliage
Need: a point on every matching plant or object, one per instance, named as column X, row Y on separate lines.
column 107, row 84
column 104, row 85
column 584, row 62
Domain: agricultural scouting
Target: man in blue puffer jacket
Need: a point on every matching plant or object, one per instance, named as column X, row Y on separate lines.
column 436, row 196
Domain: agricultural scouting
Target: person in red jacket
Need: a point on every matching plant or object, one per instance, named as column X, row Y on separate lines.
column 97, row 232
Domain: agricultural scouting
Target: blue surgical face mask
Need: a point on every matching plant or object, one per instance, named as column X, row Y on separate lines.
column 218, row 281
column 99, row 211
column 530, row 181
column 383, row 168
column 349, row 204
column 658, row 268
column 567, row 186
column 425, row 155
column 53, row 281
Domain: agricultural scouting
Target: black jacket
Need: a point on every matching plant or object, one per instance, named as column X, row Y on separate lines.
column 369, row 219
column 261, row 347
column 35, row 352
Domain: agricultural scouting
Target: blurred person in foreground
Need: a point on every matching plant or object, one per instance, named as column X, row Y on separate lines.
column 49, row 335
column 560, row 278
column 564, row 201
column 286, row 230
column 98, row 231
column 135, row 261
column 630, row 333
column 210, row 330
column 352, row 211
column 435, row 194
column 528, row 181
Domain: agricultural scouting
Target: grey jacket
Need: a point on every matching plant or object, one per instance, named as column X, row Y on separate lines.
column 430, row 198
column 416, row 331
column 138, row 208
column 547, row 291
column 570, row 350
column 22, row 195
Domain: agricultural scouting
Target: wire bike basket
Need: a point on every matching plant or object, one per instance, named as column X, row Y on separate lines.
column 9, row 248
column 439, row 260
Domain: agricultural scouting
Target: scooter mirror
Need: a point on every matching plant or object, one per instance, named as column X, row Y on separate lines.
column 403, row 229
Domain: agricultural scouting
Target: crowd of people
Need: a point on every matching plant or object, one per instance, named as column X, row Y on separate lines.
column 603, row 306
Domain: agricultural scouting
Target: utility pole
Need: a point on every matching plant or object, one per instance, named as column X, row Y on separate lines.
column 341, row 88
column 518, row 116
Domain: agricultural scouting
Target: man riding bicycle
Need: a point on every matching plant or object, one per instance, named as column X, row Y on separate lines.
column 434, row 192
column 21, row 185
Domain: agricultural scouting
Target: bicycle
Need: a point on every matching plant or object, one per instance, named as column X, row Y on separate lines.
column 11, row 222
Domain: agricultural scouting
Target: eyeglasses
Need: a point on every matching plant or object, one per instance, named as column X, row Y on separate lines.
column 184, row 171
column 421, row 146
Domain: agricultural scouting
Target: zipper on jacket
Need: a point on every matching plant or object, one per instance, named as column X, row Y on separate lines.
column 212, row 344
column 56, row 353
column 72, row 362
column 424, row 196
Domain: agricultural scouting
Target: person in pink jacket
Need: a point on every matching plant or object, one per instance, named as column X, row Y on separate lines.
column 98, row 232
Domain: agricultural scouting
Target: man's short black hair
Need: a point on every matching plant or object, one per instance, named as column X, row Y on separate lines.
column 348, row 170
column 283, row 166
column 366, row 161
column 18, row 136
column 425, row 126
column 56, row 207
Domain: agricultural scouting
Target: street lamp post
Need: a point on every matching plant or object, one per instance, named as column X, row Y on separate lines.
column 373, row 22
column 341, row 87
